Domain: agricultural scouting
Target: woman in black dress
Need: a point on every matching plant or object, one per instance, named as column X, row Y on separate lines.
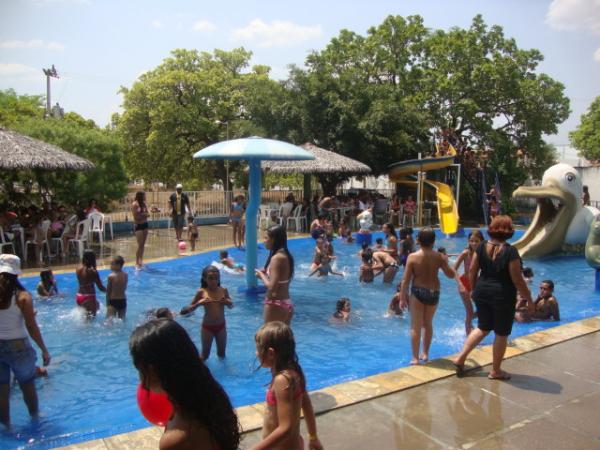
column 496, row 274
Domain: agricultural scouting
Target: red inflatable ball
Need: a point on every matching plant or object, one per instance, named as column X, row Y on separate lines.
column 182, row 246
column 156, row 408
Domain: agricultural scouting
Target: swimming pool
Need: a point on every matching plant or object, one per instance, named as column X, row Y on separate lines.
column 90, row 392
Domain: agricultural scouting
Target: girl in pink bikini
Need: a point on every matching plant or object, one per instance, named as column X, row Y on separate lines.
column 475, row 238
column 214, row 298
column 287, row 396
column 277, row 275
column 87, row 276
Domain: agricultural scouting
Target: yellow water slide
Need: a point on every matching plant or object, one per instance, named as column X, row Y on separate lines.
column 447, row 209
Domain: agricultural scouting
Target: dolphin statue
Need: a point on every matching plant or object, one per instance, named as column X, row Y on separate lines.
column 560, row 222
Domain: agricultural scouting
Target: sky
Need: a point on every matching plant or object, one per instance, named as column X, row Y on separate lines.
column 99, row 45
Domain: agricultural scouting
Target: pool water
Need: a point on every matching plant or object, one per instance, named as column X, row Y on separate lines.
column 90, row 392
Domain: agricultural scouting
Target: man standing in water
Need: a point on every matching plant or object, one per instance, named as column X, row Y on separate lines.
column 179, row 201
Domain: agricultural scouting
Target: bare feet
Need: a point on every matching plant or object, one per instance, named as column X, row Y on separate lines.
column 424, row 357
column 414, row 362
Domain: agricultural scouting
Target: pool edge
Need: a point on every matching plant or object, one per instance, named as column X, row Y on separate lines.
column 356, row 391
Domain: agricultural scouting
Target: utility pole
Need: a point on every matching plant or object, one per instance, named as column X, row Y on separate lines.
column 226, row 123
column 50, row 73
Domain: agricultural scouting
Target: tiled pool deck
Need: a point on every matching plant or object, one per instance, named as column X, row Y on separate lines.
column 551, row 401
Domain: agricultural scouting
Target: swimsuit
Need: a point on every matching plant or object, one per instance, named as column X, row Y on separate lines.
column 195, row 235
column 214, row 329
column 285, row 304
column 117, row 303
column 82, row 298
column 140, row 226
column 272, row 400
column 464, row 279
column 425, row 296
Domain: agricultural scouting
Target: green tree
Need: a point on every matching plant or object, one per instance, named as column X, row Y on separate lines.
column 479, row 84
column 173, row 111
column 74, row 134
column 586, row 137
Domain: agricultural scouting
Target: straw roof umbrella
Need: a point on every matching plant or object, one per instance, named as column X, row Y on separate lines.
column 20, row 152
column 325, row 162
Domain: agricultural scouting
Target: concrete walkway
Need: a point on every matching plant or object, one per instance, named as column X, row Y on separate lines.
column 551, row 402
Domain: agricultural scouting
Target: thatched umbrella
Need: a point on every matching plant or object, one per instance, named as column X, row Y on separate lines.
column 20, row 152
column 325, row 162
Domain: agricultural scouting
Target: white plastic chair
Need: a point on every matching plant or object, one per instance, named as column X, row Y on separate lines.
column 58, row 241
column 44, row 242
column 96, row 226
column 81, row 236
column 5, row 243
column 297, row 219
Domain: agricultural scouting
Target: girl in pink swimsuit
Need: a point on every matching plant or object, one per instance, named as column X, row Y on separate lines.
column 214, row 298
column 287, row 396
column 475, row 238
column 88, row 276
column 277, row 275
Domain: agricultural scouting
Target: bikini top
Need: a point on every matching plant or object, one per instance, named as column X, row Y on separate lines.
column 280, row 282
column 272, row 400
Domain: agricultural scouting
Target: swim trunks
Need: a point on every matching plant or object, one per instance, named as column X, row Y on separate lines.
column 117, row 303
column 140, row 226
column 194, row 235
column 425, row 296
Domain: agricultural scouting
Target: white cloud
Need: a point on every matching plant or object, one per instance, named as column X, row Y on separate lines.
column 597, row 55
column 204, row 26
column 574, row 15
column 32, row 43
column 277, row 33
column 156, row 23
column 12, row 70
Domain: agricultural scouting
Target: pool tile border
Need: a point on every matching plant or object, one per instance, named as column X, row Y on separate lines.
column 368, row 388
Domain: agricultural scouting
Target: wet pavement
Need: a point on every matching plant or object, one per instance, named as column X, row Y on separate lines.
column 161, row 243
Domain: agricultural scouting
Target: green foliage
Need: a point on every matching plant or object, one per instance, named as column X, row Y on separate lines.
column 73, row 134
column 14, row 107
column 586, row 137
column 105, row 183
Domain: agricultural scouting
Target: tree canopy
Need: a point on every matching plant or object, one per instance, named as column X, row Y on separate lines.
column 586, row 137
column 74, row 134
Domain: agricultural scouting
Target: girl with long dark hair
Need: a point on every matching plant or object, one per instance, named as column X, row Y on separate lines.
column 168, row 363
column 139, row 209
column 277, row 275
column 87, row 276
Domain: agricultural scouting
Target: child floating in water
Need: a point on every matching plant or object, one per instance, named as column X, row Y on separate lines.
column 168, row 363
column 192, row 232
column 47, row 286
column 287, row 396
column 229, row 262
column 116, row 300
column 214, row 298
column 342, row 310
column 421, row 275
column 546, row 305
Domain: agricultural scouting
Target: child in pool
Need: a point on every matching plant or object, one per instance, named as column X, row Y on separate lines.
column 394, row 306
column 192, row 232
column 527, row 274
column 229, row 262
column 213, row 298
column 378, row 244
column 421, row 275
column 287, row 396
column 366, row 272
column 168, row 363
column 342, row 310
column 546, row 305
column 87, row 276
column 407, row 245
column 464, row 259
column 47, row 286
column 522, row 314
column 116, row 300
column 322, row 261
